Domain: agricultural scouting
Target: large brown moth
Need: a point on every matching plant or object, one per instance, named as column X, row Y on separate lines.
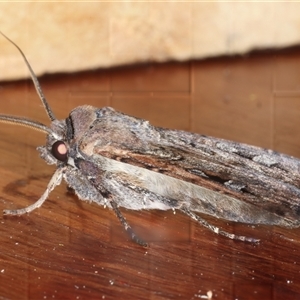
column 117, row 160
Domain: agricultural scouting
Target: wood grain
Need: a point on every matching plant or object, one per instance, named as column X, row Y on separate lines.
column 69, row 249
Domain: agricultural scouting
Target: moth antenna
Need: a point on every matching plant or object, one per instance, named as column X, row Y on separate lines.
column 25, row 122
column 35, row 82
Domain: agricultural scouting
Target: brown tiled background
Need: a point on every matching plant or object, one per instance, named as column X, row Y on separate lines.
column 71, row 249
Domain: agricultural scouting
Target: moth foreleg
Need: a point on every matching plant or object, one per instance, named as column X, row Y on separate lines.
column 55, row 180
column 217, row 229
column 125, row 224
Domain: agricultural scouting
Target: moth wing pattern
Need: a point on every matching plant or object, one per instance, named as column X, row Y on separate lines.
column 159, row 168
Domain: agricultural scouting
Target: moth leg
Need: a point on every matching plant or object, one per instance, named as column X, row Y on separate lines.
column 127, row 227
column 55, row 180
column 216, row 229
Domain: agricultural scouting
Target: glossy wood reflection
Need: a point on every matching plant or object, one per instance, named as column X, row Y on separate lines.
column 70, row 249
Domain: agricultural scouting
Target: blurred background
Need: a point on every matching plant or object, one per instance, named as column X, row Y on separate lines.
column 230, row 70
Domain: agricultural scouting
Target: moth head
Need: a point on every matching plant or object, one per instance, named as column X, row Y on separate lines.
column 58, row 152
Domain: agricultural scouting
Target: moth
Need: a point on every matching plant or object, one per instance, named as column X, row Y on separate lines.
column 116, row 160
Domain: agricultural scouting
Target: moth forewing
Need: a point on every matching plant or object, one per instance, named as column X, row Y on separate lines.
column 225, row 179
column 117, row 161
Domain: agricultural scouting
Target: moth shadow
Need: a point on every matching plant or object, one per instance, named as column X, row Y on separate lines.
column 152, row 226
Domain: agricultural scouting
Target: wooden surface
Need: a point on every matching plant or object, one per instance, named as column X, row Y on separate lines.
column 70, row 249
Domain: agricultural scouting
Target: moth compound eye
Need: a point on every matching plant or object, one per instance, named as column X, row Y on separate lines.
column 59, row 151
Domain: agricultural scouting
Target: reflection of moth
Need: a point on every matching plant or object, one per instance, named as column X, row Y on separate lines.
column 120, row 161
